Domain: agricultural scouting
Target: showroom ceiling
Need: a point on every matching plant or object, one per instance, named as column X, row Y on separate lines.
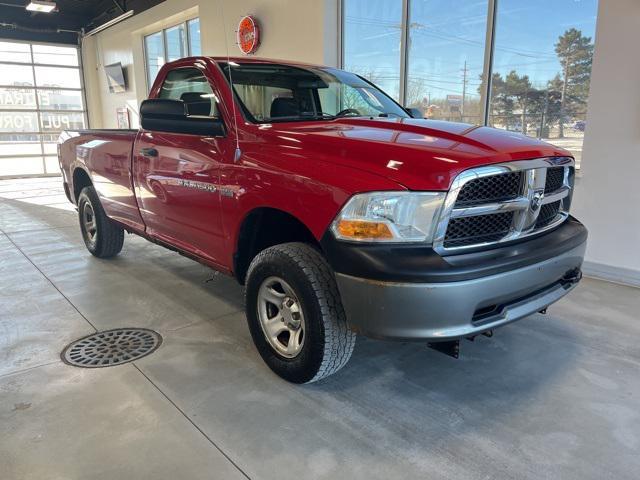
column 70, row 16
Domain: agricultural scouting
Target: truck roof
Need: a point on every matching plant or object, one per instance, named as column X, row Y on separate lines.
column 248, row 59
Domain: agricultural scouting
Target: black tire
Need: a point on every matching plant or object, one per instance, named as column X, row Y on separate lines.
column 328, row 341
column 107, row 238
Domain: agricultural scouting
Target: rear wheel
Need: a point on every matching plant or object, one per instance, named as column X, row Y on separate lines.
column 102, row 237
column 295, row 314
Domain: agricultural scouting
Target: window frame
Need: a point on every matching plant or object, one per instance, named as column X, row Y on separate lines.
column 186, row 46
column 485, row 96
column 488, row 60
column 146, row 57
column 188, row 34
column 551, row 114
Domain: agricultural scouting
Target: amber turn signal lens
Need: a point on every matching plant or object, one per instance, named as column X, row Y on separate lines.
column 362, row 230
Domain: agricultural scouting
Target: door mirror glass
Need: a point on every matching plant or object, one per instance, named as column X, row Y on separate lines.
column 165, row 115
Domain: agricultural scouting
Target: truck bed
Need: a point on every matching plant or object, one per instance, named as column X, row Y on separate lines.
column 105, row 155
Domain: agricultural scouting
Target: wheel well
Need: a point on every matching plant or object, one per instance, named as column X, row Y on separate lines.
column 80, row 180
column 264, row 228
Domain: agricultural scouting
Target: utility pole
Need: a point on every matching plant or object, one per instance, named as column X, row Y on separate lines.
column 464, row 88
column 563, row 96
column 545, row 112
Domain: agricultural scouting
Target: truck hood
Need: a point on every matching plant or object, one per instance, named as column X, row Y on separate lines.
column 418, row 154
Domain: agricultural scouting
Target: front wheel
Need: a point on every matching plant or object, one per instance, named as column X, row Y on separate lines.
column 102, row 237
column 295, row 314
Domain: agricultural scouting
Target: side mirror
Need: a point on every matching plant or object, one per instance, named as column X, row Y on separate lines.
column 164, row 115
column 414, row 112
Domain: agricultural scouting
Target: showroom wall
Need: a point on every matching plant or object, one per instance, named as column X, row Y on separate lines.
column 608, row 198
column 303, row 30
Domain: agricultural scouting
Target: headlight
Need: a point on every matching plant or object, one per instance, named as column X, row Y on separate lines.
column 389, row 217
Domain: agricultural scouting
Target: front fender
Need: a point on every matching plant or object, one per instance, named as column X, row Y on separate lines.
column 313, row 196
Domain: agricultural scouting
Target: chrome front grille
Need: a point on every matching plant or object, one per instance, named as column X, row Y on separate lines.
column 504, row 202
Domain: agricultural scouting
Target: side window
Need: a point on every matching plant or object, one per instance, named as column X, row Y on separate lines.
column 263, row 100
column 192, row 87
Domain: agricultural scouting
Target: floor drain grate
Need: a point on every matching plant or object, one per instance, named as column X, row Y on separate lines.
column 111, row 347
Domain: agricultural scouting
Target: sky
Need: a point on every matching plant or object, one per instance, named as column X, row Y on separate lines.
column 444, row 34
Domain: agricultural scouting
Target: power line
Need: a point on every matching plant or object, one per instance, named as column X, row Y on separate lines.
column 420, row 29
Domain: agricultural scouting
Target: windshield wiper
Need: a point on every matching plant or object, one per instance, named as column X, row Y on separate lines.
column 317, row 115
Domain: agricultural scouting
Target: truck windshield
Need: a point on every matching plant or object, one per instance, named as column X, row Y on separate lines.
column 283, row 93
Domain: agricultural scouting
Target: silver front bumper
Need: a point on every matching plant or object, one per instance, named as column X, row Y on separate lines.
column 445, row 311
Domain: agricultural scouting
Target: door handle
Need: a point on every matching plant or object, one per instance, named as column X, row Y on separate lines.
column 149, row 152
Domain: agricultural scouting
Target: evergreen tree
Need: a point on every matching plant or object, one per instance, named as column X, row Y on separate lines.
column 575, row 53
column 553, row 99
column 501, row 105
column 524, row 95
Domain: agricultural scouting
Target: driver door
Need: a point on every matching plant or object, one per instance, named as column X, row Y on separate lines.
column 177, row 174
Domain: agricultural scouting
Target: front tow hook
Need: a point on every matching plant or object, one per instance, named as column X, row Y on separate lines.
column 570, row 278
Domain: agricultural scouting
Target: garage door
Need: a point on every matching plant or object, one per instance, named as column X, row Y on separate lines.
column 41, row 94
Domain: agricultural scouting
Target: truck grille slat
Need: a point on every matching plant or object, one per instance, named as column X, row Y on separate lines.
column 548, row 213
column 491, row 189
column 555, row 179
column 512, row 201
column 484, row 228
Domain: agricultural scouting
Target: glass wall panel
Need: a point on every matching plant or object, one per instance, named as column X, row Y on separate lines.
column 542, row 69
column 154, row 51
column 12, row 98
column 51, row 165
column 371, row 41
column 18, row 122
column 57, row 121
column 16, row 166
column 445, row 58
column 54, row 55
column 19, row 144
column 194, row 37
column 50, row 148
column 19, row 75
column 176, row 42
column 57, row 99
column 15, row 52
column 57, row 77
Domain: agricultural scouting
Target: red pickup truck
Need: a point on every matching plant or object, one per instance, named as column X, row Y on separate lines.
column 338, row 211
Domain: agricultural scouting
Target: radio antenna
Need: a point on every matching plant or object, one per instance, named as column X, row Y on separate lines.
column 238, row 153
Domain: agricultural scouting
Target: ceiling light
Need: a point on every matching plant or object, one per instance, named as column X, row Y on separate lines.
column 41, row 6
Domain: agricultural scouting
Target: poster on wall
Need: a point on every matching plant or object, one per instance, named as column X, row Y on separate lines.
column 123, row 118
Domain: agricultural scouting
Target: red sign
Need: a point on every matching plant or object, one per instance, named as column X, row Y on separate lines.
column 248, row 35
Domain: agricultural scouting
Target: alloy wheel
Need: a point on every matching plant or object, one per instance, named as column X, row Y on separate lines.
column 281, row 317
